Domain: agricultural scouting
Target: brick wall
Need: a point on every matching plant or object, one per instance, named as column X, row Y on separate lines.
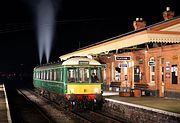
column 162, row 55
column 131, row 113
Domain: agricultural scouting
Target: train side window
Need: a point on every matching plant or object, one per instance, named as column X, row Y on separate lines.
column 47, row 75
column 39, row 74
column 45, row 72
column 55, row 74
column 42, row 74
column 58, row 74
column 50, row 75
column 61, row 79
column 34, row 74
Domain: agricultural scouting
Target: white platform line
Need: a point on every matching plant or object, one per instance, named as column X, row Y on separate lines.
column 144, row 107
column 7, row 106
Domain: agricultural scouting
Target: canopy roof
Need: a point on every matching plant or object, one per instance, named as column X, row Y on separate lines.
column 163, row 32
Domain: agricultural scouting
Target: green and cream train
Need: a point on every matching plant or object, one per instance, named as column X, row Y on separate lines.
column 71, row 82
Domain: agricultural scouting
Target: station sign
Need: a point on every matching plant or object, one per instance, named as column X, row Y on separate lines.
column 123, row 58
column 151, row 63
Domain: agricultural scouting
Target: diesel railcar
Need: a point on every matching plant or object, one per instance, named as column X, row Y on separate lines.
column 71, row 82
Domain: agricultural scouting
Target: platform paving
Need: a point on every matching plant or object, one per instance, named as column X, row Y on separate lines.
column 166, row 104
column 4, row 108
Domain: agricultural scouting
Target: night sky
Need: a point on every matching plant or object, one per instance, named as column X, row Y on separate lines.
column 78, row 23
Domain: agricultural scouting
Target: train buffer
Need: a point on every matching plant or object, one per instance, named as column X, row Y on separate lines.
column 4, row 107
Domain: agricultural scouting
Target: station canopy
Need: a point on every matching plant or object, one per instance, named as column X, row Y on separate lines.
column 163, row 32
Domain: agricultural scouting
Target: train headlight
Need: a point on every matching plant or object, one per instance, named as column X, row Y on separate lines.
column 72, row 90
column 96, row 90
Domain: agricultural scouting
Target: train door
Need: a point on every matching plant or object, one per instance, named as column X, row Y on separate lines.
column 152, row 70
column 137, row 74
column 174, row 70
column 162, row 82
column 117, row 73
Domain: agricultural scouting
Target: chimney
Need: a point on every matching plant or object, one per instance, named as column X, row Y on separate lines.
column 168, row 14
column 139, row 23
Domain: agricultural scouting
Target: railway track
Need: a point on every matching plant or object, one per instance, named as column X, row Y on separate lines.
column 52, row 109
column 81, row 115
column 61, row 115
column 95, row 117
column 24, row 111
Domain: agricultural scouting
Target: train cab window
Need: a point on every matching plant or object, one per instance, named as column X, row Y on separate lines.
column 95, row 75
column 72, row 77
column 83, row 74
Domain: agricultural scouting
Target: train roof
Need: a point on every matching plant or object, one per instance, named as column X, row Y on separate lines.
column 71, row 61
column 49, row 65
column 80, row 61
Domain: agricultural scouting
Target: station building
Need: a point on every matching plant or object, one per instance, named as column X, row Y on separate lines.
column 146, row 59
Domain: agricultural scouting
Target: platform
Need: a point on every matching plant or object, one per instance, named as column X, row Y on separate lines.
column 109, row 93
column 5, row 116
column 165, row 104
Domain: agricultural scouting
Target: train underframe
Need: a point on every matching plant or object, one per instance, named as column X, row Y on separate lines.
column 74, row 101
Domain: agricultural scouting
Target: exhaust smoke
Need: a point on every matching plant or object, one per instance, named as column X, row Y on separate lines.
column 45, row 27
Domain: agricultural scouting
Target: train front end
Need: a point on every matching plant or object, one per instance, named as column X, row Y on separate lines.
column 84, row 83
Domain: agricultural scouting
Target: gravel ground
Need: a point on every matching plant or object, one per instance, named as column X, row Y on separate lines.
column 59, row 115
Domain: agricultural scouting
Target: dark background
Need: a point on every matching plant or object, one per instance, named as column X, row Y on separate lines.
column 78, row 23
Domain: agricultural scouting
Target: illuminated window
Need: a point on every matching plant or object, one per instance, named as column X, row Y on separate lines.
column 55, row 78
column 72, row 77
column 37, row 75
column 84, row 74
column 42, row 74
column 47, row 75
column 34, row 74
column 50, row 75
column 96, row 72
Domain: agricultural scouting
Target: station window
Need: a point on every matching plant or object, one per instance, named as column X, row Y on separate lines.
column 174, row 70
